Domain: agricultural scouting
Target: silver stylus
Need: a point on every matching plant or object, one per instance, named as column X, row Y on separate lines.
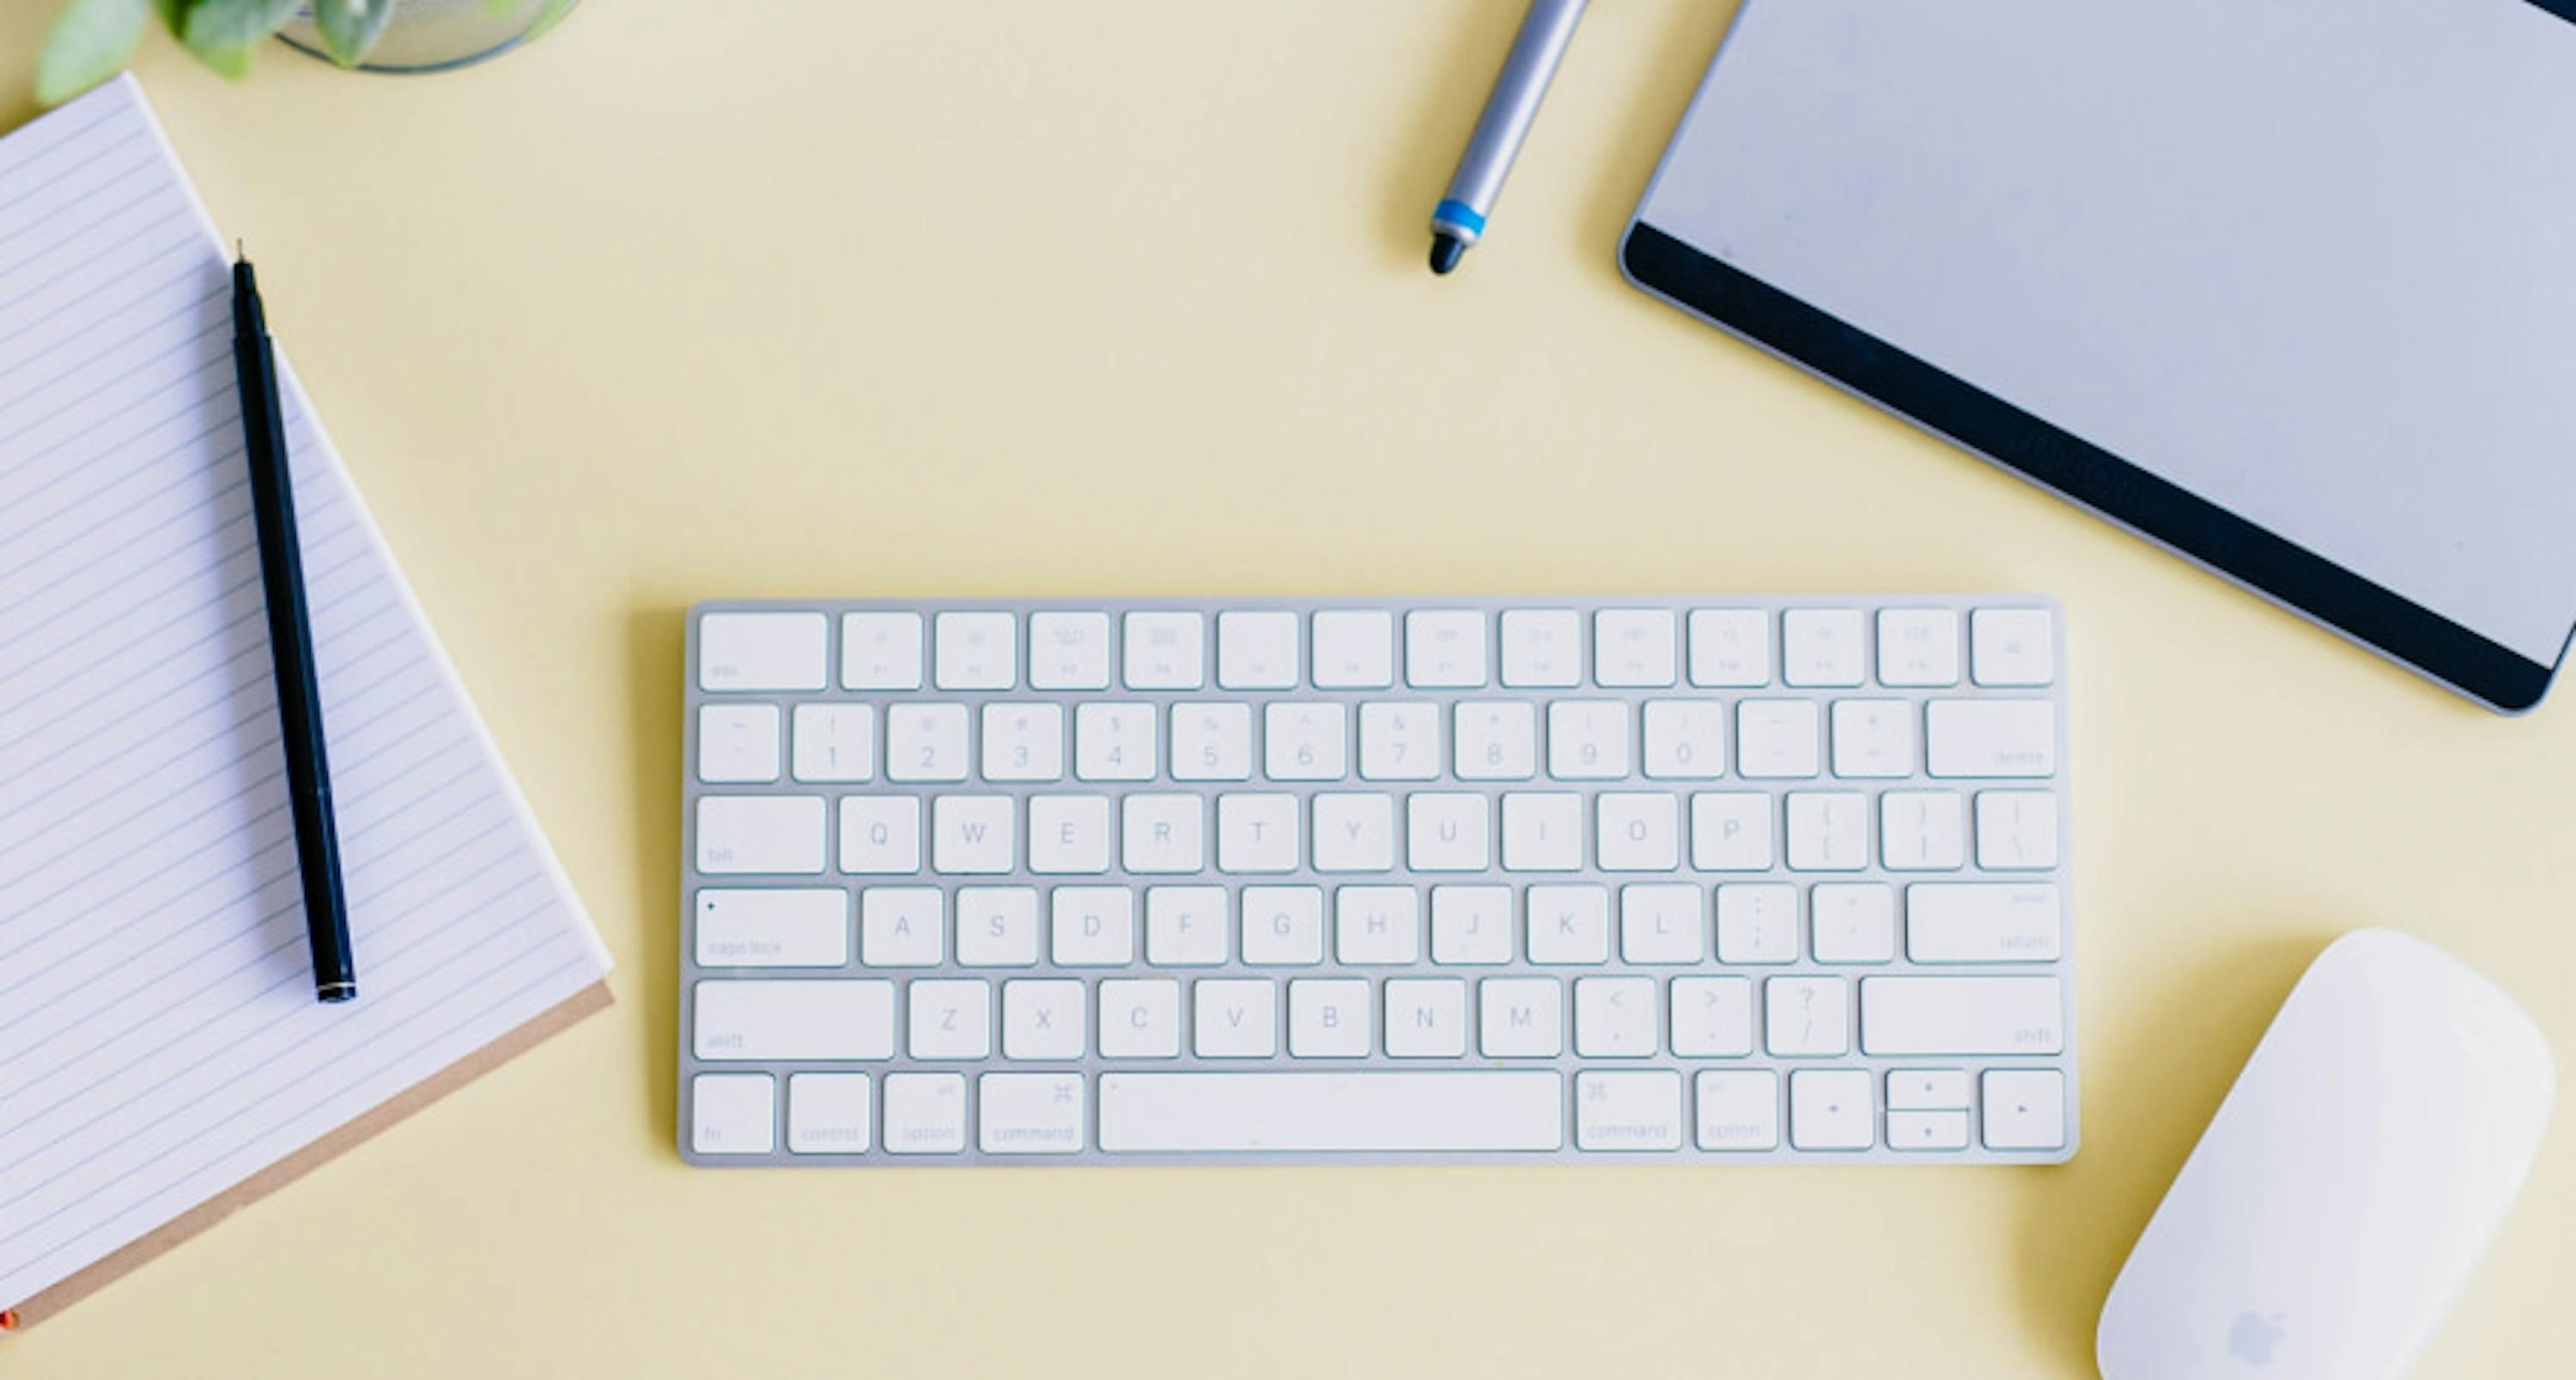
column 1459, row 220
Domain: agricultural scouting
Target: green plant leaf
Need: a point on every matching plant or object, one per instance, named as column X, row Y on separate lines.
column 222, row 32
column 350, row 28
column 553, row 14
column 90, row 39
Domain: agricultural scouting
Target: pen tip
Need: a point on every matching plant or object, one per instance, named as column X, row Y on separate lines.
column 1446, row 250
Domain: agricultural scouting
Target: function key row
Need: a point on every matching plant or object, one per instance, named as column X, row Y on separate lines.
column 1358, row 649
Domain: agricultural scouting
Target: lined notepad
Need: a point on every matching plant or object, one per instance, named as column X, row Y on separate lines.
column 160, row 1045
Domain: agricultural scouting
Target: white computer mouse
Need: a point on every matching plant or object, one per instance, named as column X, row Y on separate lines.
column 2349, row 1182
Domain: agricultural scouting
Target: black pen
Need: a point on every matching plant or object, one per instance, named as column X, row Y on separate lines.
column 290, row 644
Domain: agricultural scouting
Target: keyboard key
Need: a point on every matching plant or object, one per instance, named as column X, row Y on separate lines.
column 1166, row 651
column 1854, row 922
column 1587, row 740
column 1628, row 1111
column 975, row 651
column 1354, row 649
column 1114, row 742
column 1235, row 1018
column 1633, row 647
column 1731, row 832
column 997, row 926
column 1614, row 1018
column 1918, row 647
column 1662, row 923
column 1542, row 648
column 1497, row 740
column 1991, row 737
column 834, row 742
column 1328, row 1018
column 1068, row 651
column 1400, row 741
column 1283, row 925
column 1712, row 1018
column 1829, row 1109
column 773, row 928
column 1522, row 1018
column 1873, row 738
column 1738, row 1110
column 1776, row 739
column 1448, row 831
column 1426, row 1018
column 925, row 1113
column 1348, row 1111
column 802, row 1018
column 1444, row 649
column 1471, row 925
column 1042, row 1018
column 733, row 1114
column 1542, row 832
column 899, row 927
column 880, row 834
column 1569, row 924
column 1806, row 1017
column 1257, row 651
column 1140, row 1018
column 881, row 651
column 1377, row 926
column 2013, row 647
column 1354, row 832
column 1757, row 922
column 2016, row 830
column 1092, row 926
column 1163, row 834
column 2025, row 1109
column 1923, row 1130
column 1917, row 1090
column 1211, row 742
column 1961, row 1015
column 1186, row 926
column 1029, row 1113
column 1069, row 834
column 738, row 742
column 827, row 1113
column 1919, row 831
column 973, row 833
column 1256, row 833
column 1730, row 648
column 926, row 742
column 1639, row 831
column 1982, row 922
column 950, row 1019
column 1828, row 831
column 1305, row 742
column 760, row 833
column 1821, row 647
column 1023, row 742
column 761, row 651
column 1685, row 740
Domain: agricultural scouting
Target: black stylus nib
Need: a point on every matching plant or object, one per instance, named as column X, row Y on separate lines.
column 1446, row 250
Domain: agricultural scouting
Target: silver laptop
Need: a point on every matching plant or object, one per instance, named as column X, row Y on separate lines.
column 2288, row 286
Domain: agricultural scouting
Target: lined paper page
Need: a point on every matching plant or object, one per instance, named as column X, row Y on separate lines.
column 159, row 1037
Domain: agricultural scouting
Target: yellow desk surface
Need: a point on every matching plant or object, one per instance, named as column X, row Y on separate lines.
column 845, row 298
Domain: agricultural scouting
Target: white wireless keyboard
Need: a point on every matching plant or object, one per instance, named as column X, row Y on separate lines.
column 1622, row 879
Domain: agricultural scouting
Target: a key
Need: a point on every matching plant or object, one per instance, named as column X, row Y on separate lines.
column 1806, row 1017
column 2025, row 1109
column 1354, row 649
column 925, row 1113
column 1445, row 1110
column 1821, row 647
column 772, row 928
column 1738, row 1110
column 1854, row 922
column 1638, row 831
column 1828, row 831
column 827, row 1113
column 1927, row 1130
column 1328, row 1018
column 1444, row 649
column 2016, row 830
column 1712, row 1018
column 1042, row 1018
column 1521, row 1018
column 1614, row 1018
column 1873, row 738
column 1497, row 740
column 1730, row 648
column 1377, row 925
column 1162, row 834
column 973, row 833
column 974, row 651
column 1235, row 1018
column 1471, row 925
column 1426, row 1018
column 880, row 834
column 1983, row 922
column 899, row 927
column 1092, row 926
column 1661, row 923
column 1069, row 834
column 1961, row 1015
column 1569, row 924
column 1256, row 833
column 925, row 742
column 801, row 1018
column 1731, row 832
column 1775, row 738
column 997, row 927
column 1283, row 925
column 881, row 651
column 1023, row 742
column 1633, row 647
column 834, row 742
column 1628, row 1111
column 1830, row 1109
column 1447, row 831
column 1919, row 831
column 1587, row 740
column 1211, row 742
column 1991, row 737
column 1068, row 651
column 1918, row 647
column 761, row 651
column 1305, row 741
column 1542, row 648
column 1354, row 832
column 760, row 833
column 950, row 1018
column 738, row 742
column 733, row 1114
column 1140, row 1018
column 1186, row 926
column 1165, row 651
column 2012, row 646
column 1257, row 650
column 1113, row 742
column 1400, row 741
column 1685, row 740
column 1757, row 922
column 1030, row 1113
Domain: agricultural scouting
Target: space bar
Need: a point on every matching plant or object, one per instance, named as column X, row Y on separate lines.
column 1322, row 1112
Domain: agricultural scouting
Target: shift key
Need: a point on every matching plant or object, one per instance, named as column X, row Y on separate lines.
column 1962, row 1015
